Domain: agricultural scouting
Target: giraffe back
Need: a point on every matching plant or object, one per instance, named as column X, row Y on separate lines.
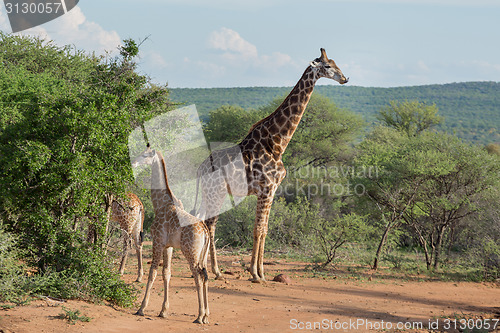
column 128, row 214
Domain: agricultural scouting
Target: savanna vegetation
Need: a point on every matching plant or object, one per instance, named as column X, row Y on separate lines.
column 64, row 125
column 470, row 109
column 389, row 185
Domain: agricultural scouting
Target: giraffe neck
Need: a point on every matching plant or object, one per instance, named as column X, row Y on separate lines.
column 160, row 191
column 280, row 125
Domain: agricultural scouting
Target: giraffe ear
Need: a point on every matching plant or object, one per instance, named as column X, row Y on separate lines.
column 315, row 62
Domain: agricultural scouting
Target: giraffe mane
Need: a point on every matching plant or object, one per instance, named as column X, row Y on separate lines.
column 278, row 108
column 164, row 168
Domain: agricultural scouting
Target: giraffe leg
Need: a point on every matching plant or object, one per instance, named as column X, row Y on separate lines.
column 196, row 252
column 125, row 252
column 259, row 238
column 140, row 269
column 157, row 252
column 138, row 239
column 167, row 273
column 205, row 296
column 200, row 280
column 260, row 257
column 213, row 251
column 203, row 263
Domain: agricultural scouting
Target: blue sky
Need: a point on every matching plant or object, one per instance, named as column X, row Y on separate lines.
column 228, row 43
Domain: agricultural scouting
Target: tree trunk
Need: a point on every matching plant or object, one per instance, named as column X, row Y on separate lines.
column 380, row 246
column 437, row 247
column 423, row 243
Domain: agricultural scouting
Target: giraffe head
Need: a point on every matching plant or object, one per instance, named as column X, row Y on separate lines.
column 145, row 158
column 327, row 68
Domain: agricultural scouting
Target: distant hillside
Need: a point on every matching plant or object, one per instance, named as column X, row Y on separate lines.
column 471, row 110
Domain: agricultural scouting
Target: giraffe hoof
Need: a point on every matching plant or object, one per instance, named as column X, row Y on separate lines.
column 162, row 315
column 198, row 321
column 220, row 277
column 139, row 313
column 255, row 280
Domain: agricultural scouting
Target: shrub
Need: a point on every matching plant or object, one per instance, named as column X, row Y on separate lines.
column 11, row 268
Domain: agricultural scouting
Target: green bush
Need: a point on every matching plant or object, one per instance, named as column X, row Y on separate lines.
column 235, row 226
column 64, row 126
column 11, row 268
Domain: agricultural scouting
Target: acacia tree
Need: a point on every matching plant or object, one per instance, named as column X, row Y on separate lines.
column 66, row 116
column 393, row 187
column 229, row 123
column 410, row 117
column 456, row 177
column 431, row 182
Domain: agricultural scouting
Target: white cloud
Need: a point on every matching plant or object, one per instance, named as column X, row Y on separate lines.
column 155, row 59
column 236, row 49
column 4, row 21
column 229, row 40
column 73, row 28
column 422, row 66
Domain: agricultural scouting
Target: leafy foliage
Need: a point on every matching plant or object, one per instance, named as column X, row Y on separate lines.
column 65, row 120
column 10, row 267
column 229, row 124
column 323, row 134
column 431, row 182
column 332, row 234
column 73, row 316
column 470, row 109
column 410, row 117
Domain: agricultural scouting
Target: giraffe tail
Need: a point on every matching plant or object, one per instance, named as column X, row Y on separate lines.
column 141, row 217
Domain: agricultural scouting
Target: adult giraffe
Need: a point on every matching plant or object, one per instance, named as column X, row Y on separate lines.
column 254, row 166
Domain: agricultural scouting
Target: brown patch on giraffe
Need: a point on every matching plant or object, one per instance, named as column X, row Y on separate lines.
column 262, row 150
column 191, row 236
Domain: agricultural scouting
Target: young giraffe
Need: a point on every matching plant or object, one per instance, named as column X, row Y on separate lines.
column 254, row 166
column 130, row 216
column 174, row 227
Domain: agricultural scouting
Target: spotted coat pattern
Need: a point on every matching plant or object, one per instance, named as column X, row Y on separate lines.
column 129, row 215
column 173, row 228
column 254, row 166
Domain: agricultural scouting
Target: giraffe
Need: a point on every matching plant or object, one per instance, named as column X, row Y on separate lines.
column 130, row 216
column 174, row 227
column 255, row 166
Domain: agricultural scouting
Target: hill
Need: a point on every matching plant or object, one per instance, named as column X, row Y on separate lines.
column 471, row 109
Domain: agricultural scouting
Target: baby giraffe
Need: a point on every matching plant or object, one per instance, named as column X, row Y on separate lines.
column 173, row 228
